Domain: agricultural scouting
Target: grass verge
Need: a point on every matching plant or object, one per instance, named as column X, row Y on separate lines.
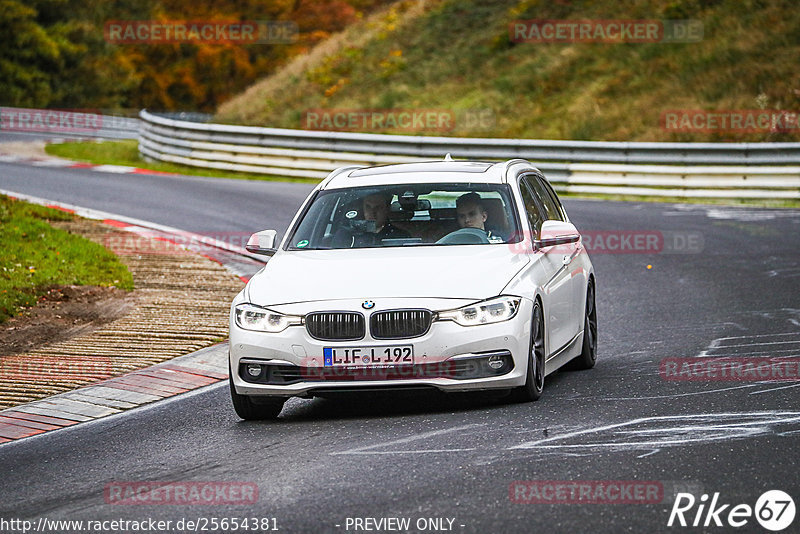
column 126, row 153
column 37, row 256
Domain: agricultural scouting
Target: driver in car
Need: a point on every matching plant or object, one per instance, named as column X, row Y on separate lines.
column 376, row 208
column 471, row 213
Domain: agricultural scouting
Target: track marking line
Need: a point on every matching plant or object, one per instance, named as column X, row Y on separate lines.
column 740, row 427
column 674, row 395
column 409, row 439
column 774, row 389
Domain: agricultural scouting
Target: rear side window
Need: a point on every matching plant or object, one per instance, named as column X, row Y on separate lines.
column 549, row 204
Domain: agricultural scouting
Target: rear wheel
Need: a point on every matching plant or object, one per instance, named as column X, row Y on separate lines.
column 534, row 380
column 252, row 408
column 588, row 356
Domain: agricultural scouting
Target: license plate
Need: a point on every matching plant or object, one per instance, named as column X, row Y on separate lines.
column 369, row 356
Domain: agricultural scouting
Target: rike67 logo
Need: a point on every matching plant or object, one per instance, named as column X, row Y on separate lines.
column 774, row 511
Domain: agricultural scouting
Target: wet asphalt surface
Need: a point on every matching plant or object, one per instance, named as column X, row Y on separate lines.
column 731, row 291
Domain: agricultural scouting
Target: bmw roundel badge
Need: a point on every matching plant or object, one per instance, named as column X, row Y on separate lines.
column 368, row 304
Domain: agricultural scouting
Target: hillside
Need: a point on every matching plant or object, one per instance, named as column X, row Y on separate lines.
column 456, row 56
column 71, row 54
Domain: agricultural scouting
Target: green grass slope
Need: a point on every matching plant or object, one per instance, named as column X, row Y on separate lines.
column 456, row 55
column 37, row 256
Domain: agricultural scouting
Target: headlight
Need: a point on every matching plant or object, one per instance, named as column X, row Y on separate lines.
column 489, row 311
column 252, row 317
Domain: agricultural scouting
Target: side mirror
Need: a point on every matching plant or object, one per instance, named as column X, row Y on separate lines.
column 262, row 243
column 556, row 233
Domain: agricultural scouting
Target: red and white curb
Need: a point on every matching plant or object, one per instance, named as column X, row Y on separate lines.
column 115, row 395
column 69, row 164
column 236, row 259
column 178, row 375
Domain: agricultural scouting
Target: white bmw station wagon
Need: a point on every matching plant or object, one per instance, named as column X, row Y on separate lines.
column 452, row 275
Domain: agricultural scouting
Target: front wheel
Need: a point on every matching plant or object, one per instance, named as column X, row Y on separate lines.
column 252, row 408
column 534, row 379
column 588, row 356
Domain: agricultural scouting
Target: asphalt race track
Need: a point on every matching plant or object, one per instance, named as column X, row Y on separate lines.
column 724, row 282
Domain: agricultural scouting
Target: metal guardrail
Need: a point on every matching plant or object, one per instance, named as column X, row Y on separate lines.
column 725, row 170
column 118, row 128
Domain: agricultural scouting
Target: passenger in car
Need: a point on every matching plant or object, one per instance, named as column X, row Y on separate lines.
column 471, row 213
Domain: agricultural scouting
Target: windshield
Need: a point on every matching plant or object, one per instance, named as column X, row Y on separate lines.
column 407, row 215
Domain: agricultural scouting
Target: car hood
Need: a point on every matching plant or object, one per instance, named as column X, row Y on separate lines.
column 457, row 271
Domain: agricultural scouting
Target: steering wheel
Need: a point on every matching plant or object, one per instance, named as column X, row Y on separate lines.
column 465, row 236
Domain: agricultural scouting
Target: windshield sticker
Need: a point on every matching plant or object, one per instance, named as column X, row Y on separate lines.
column 351, row 214
column 303, row 243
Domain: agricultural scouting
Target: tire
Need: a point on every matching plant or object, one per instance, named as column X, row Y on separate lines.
column 588, row 356
column 252, row 408
column 534, row 377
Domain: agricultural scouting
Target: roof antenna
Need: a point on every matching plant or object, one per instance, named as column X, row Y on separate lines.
column 447, row 157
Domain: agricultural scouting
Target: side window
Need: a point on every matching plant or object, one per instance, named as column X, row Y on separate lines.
column 554, row 196
column 551, row 211
column 531, row 207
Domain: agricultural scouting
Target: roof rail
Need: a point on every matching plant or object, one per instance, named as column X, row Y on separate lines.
column 507, row 165
column 510, row 162
column 336, row 172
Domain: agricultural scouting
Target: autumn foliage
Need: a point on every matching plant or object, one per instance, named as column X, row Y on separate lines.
column 53, row 53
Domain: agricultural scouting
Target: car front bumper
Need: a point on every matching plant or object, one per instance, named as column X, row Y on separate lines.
column 440, row 353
